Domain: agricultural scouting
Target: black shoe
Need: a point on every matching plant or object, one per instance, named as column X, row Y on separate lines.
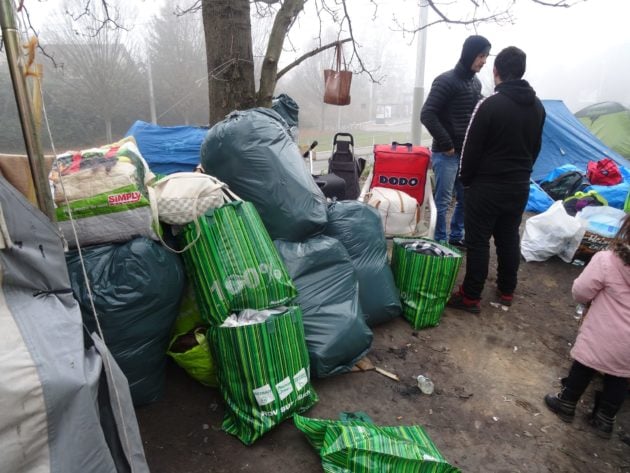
column 602, row 419
column 458, row 244
column 461, row 302
column 505, row 299
column 563, row 409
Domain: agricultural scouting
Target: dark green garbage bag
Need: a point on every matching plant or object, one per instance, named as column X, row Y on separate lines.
column 136, row 288
column 328, row 293
column 359, row 228
column 425, row 273
column 234, row 264
column 362, row 447
column 263, row 373
column 252, row 152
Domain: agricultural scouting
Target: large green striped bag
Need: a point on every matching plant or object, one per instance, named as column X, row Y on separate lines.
column 362, row 447
column 425, row 281
column 234, row 264
column 263, row 373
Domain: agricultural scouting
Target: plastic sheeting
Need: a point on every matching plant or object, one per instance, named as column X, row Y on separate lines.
column 59, row 410
column 168, row 149
column 136, row 287
column 328, row 292
column 359, row 228
column 253, row 153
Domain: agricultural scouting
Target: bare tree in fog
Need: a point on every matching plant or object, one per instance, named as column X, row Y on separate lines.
column 176, row 51
column 228, row 38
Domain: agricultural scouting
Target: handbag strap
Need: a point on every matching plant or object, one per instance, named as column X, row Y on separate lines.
column 156, row 222
column 336, row 65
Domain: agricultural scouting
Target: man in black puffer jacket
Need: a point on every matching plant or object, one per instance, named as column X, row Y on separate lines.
column 501, row 145
column 446, row 114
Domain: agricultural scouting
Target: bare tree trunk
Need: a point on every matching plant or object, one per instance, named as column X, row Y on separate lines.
column 285, row 17
column 230, row 60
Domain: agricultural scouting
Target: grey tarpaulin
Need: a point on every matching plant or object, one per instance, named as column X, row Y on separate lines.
column 49, row 381
column 359, row 228
column 336, row 333
column 253, row 153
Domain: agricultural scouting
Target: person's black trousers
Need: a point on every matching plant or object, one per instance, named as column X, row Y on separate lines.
column 493, row 210
column 580, row 376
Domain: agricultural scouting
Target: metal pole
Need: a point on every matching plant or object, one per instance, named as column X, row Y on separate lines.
column 418, row 91
column 151, row 93
column 29, row 131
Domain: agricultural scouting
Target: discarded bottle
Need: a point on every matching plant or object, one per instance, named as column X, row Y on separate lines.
column 579, row 311
column 425, row 384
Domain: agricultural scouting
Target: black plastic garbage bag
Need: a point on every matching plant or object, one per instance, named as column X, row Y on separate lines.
column 359, row 228
column 336, row 333
column 253, row 153
column 136, row 287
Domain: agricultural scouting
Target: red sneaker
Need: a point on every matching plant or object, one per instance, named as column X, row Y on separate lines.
column 505, row 299
column 459, row 301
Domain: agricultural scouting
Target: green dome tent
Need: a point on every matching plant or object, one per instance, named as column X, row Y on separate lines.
column 610, row 122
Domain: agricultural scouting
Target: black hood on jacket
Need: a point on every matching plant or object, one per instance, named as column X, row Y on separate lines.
column 518, row 90
column 473, row 46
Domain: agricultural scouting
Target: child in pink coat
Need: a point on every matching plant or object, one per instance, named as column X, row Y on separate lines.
column 603, row 340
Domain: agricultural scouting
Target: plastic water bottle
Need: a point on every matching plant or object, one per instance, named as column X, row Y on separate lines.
column 425, row 384
column 580, row 309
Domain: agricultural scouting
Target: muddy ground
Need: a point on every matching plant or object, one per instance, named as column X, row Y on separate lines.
column 490, row 371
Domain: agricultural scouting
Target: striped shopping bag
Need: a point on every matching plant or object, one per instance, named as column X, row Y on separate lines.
column 363, row 447
column 234, row 264
column 425, row 281
column 264, row 373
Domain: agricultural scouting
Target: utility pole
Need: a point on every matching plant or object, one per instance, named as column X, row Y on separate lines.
column 10, row 37
column 418, row 90
column 151, row 93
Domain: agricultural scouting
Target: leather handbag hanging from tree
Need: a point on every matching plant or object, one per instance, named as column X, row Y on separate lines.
column 337, row 81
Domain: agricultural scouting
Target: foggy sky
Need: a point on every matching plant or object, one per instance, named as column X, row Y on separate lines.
column 580, row 55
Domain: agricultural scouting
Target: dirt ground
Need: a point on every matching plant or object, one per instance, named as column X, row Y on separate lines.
column 490, row 371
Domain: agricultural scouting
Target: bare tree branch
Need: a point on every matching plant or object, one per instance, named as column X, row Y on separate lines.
column 312, row 53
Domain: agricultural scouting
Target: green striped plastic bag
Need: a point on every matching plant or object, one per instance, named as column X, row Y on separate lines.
column 234, row 264
column 362, row 447
column 263, row 373
column 425, row 281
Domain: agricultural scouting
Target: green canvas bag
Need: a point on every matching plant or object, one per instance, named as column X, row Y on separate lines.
column 362, row 447
column 234, row 264
column 425, row 281
column 264, row 373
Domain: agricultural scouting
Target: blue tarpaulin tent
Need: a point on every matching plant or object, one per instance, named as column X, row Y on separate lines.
column 567, row 141
column 168, row 149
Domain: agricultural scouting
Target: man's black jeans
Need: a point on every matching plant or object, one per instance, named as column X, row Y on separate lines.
column 493, row 210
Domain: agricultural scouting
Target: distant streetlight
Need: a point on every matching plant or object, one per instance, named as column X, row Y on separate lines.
column 418, row 90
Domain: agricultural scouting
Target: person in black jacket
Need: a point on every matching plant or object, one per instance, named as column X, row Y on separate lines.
column 501, row 145
column 446, row 114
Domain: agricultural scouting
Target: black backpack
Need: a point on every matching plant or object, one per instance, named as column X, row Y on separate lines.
column 343, row 164
column 565, row 185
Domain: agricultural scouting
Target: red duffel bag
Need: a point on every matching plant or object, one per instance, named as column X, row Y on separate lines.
column 604, row 172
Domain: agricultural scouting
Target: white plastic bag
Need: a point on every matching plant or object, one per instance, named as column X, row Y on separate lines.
column 552, row 233
column 602, row 220
column 399, row 211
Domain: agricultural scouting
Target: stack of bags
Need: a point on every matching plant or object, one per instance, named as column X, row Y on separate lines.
column 255, row 335
column 336, row 255
column 102, row 204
